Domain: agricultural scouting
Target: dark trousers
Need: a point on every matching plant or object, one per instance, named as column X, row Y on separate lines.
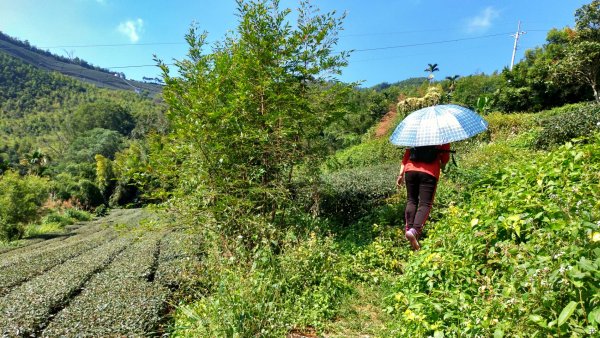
column 420, row 190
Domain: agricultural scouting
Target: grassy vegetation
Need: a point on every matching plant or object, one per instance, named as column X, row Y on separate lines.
column 511, row 250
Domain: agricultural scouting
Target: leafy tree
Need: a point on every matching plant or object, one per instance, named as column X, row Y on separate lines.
column 36, row 162
column 102, row 114
column 20, row 201
column 581, row 59
column 247, row 114
column 580, row 63
column 469, row 88
column 96, row 141
column 587, row 21
column 104, row 175
column 530, row 86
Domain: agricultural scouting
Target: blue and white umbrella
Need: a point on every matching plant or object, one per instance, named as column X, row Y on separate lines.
column 438, row 125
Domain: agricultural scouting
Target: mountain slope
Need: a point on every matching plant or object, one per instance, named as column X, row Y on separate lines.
column 50, row 62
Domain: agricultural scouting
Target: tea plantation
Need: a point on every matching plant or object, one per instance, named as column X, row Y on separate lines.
column 103, row 278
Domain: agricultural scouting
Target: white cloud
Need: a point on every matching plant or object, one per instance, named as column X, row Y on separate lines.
column 131, row 29
column 483, row 21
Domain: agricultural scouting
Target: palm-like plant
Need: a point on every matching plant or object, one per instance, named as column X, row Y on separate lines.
column 430, row 69
column 452, row 80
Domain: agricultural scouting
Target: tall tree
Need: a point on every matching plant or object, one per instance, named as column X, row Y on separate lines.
column 581, row 60
column 431, row 68
column 247, row 114
column 452, row 80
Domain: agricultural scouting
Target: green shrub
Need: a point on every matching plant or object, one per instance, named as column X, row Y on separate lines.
column 88, row 194
column 301, row 287
column 568, row 123
column 20, row 201
column 78, row 215
column 61, row 220
column 101, row 210
column 518, row 255
column 369, row 153
column 349, row 193
column 502, row 126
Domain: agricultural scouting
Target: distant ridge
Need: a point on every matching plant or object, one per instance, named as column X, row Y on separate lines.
column 90, row 74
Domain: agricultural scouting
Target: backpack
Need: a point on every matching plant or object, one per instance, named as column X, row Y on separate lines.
column 426, row 154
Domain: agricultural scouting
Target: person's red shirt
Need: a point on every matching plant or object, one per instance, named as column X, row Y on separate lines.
column 433, row 168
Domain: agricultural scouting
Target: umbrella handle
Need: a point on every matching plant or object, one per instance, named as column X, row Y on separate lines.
column 453, row 162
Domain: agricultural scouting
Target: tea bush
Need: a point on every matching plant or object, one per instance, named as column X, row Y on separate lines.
column 518, row 256
column 49, row 249
column 128, row 300
column 178, row 265
column 27, row 308
column 24, row 270
column 568, row 123
column 503, row 126
column 349, row 193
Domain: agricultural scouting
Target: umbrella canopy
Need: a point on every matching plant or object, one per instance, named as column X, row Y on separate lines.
column 438, row 125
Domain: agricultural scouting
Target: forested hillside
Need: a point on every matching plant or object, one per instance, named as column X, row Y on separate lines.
column 53, row 126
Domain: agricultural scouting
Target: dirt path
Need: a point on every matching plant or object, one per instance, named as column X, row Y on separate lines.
column 105, row 277
column 386, row 122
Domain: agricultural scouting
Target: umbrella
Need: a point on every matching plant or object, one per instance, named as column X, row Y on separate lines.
column 438, row 125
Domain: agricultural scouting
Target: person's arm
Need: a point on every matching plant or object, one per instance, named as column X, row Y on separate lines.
column 400, row 179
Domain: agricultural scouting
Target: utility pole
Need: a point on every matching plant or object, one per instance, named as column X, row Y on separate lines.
column 516, row 36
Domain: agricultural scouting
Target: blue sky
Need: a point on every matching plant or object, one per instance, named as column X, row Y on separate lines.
column 462, row 36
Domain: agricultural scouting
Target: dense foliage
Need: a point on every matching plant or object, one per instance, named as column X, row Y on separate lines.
column 248, row 114
column 515, row 255
column 20, row 200
column 571, row 122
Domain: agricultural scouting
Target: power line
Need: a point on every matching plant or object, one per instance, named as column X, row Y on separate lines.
column 369, row 49
column 355, row 50
column 115, row 45
column 431, row 43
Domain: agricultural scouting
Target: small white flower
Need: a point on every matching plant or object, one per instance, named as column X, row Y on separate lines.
column 562, row 269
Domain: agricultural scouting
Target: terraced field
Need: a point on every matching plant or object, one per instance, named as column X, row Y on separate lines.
column 94, row 281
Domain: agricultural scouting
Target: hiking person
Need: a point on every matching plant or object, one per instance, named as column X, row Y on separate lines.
column 420, row 173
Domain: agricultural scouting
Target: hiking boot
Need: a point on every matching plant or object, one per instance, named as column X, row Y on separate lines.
column 411, row 236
